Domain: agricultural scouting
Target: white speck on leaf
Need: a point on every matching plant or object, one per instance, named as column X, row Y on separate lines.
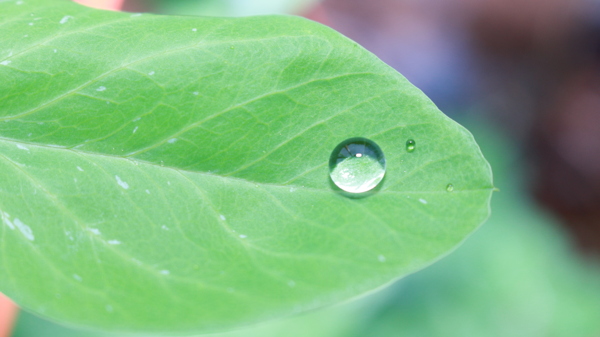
column 79, row 168
column 77, row 277
column 6, row 220
column 114, row 242
column 31, row 23
column 65, row 19
column 122, row 183
column 21, row 147
column 5, row 63
column 147, row 192
column 24, row 229
column 196, row 93
column 242, row 236
column 101, row 88
column 169, row 183
column 109, row 308
column 381, row 258
column 94, row 231
column 137, row 119
column 292, row 189
column 291, row 284
column 75, row 179
column 151, row 73
column 172, row 140
column 19, row 2
column 423, row 201
column 165, row 272
column 165, row 228
column 222, row 217
column 135, row 129
column 194, row 29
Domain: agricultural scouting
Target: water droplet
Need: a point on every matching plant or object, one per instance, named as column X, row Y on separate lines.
column 410, row 145
column 357, row 165
column 450, row 188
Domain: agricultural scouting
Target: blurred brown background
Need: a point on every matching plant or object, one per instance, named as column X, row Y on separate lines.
column 531, row 66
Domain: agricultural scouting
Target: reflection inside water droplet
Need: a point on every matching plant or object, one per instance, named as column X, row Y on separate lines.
column 410, row 145
column 357, row 165
column 450, row 188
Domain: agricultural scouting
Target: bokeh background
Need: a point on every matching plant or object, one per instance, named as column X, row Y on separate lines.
column 524, row 77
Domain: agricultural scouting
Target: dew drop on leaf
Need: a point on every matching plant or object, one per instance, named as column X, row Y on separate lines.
column 410, row 145
column 450, row 188
column 357, row 165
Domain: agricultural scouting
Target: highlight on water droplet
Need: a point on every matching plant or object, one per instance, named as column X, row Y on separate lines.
column 357, row 165
column 410, row 145
column 450, row 188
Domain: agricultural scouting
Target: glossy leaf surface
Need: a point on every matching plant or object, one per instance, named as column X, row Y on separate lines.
column 171, row 173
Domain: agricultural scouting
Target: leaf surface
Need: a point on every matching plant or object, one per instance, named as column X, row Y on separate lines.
column 171, row 173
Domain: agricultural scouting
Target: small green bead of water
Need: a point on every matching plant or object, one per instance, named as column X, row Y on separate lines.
column 450, row 188
column 357, row 165
column 410, row 145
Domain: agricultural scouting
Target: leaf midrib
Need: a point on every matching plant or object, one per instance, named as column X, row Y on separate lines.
column 232, row 178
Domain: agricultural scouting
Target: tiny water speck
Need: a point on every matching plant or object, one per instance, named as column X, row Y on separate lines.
column 450, row 188
column 94, row 231
column 222, row 217
column 65, row 19
column 423, row 201
column 101, row 88
column 121, row 183
column 242, row 236
column 24, row 229
column 79, row 169
column 410, row 145
column 165, row 272
column 77, row 277
column 357, row 165
column 381, row 258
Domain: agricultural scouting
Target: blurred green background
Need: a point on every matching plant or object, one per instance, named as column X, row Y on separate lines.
column 530, row 69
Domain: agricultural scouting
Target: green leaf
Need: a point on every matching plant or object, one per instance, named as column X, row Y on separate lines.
column 171, row 173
